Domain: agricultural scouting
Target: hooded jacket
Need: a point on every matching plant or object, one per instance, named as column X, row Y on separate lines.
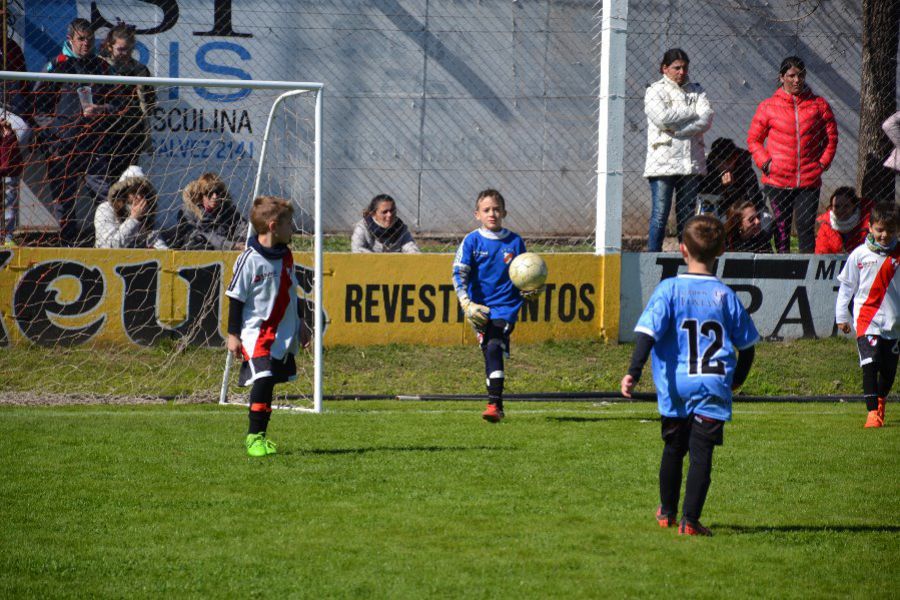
column 58, row 110
column 800, row 136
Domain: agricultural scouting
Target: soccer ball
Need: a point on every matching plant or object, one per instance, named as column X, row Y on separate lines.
column 528, row 271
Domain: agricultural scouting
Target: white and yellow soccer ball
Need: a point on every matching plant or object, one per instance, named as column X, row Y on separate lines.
column 528, row 271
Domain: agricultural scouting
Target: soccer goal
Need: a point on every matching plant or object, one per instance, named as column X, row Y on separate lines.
column 142, row 322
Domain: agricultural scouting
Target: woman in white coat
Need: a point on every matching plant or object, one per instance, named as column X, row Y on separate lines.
column 678, row 114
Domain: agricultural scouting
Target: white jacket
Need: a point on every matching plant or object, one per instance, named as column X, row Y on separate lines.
column 891, row 129
column 677, row 118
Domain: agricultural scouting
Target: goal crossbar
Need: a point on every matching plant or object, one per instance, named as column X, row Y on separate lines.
column 258, row 84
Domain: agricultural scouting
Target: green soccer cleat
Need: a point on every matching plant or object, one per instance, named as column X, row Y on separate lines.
column 258, row 445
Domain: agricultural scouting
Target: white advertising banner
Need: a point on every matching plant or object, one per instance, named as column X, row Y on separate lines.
column 788, row 296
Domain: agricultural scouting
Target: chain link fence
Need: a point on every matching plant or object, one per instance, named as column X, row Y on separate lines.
column 735, row 49
column 431, row 101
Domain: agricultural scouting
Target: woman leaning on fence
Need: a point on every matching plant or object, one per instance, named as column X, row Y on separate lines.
column 793, row 138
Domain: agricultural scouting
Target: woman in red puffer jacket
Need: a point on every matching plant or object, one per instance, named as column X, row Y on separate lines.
column 793, row 138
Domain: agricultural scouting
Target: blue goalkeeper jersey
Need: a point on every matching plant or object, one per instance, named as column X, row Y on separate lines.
column 481, row 270
column 698, row 324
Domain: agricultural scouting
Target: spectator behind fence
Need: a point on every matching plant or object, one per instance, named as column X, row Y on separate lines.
column 730, row 177
column 130, row 130
column 208, row 220
column 891, row 128
column 73, row 120
column 744, row 231
column 678, row 114
column 793, row 138
column 126, row 219
column 15, row 133
column 381, row 230
column 845, row 224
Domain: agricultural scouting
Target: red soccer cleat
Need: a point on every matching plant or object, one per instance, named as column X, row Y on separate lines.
column 664, row 520
column 492, row 414
column 695, row 528
column 874, row 419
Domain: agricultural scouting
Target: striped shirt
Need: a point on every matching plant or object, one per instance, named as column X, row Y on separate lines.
column 869, row 280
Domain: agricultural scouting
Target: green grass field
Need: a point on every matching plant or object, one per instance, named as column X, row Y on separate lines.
column 413, row 499
column 408, row 500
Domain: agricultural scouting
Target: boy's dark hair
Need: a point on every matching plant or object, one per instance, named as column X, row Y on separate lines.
column 885, row 213
column 490, row 193
column 267, row 209
column 671, row 55
column 704, row 237
column 373, row 204
column 79, row 25
column 120, row 31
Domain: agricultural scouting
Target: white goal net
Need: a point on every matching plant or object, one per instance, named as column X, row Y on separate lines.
column 105, row 295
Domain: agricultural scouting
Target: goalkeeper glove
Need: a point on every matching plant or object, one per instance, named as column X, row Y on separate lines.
column 477, row 314
column 532, row 295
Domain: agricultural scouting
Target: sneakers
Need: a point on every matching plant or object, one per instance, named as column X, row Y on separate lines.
column 881, row 409
column 688, row 528
column 874, row 419
column 493, row 414
column 664, row 519
column 259, row 445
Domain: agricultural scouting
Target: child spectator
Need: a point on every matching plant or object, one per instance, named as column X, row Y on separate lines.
column 695, row 325
column 487, row 296
column 381, row 230
column 208, row 220
column 263, row 321
column 729, row 178
column 844, row 225
column 126, row 219
column 744, row 231
column 869, row 280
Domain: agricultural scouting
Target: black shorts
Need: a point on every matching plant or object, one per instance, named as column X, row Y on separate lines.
column 265, row 366
column 677, row 431
column 874, row 348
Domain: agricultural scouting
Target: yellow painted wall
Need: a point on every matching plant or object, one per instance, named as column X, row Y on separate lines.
column 369, row 299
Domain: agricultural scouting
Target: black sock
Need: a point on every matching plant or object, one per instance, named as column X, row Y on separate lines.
column 699, row 476
column 871, row 402
column 670, row 478
column 495, row 391
column 260, row 405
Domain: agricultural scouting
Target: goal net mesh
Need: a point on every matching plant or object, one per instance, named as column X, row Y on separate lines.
column 126, row 299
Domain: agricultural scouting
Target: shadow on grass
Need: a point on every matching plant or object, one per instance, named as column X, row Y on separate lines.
column 741, row 529
column 338, row 451
column 559, row 419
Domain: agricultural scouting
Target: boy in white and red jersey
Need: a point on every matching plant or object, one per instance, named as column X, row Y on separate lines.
column 869, row 280
column 263, row 321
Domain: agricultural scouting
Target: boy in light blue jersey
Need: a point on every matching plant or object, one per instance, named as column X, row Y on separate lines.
column 487, row 296
column 695, row 326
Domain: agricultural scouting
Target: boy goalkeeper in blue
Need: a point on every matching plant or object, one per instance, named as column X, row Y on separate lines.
column 487, row 296
column 702, row 342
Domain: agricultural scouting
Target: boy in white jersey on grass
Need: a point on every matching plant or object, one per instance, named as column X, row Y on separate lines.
column 695, row 326
column 869, row 280
column 487, row 296
column 263, row 320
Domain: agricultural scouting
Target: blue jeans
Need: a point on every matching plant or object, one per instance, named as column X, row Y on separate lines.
column 684, row 188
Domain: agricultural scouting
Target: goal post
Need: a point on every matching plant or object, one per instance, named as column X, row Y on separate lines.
column 259, row 137
column 317, row 252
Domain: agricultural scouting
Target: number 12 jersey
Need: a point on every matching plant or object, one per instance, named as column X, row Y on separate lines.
column 698, row 324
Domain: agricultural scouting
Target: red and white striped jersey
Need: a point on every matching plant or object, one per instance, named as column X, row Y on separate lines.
column 869, row 280
column 268, row 289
